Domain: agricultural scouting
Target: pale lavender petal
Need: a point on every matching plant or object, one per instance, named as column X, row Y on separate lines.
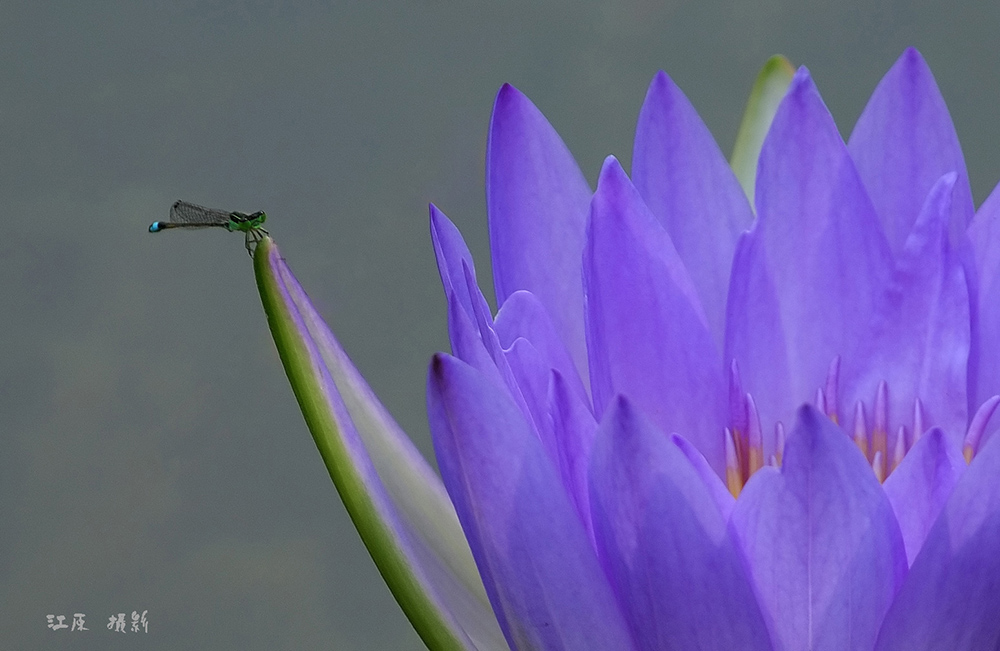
column 538, row 202
column 541, row 574
column 903, row 143
column 984, row 233
column 685, row 180
column 822, row 541
column 755, row 337
column 919, row 338
column 646, row 332
column 452, row 254
column 950, row 598
column 523, row 315
column 824, row 247
column 680, row 575
column 919, row 488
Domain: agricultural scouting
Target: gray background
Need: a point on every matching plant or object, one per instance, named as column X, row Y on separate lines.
column 152, row 455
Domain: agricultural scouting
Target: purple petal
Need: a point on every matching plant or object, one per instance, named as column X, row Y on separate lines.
column 646, row 332
column 523, row 315
column 903, row 143
column 541, row 574
column 685, row 180
column 538, row 202
column 755, row 337
column 920, row 486
column 950, row 598
column 452, row 255
column 984, row 233
column 823, row 544
column 919, row 338
column 664, row 543
column 467, row 309
column 826, row 254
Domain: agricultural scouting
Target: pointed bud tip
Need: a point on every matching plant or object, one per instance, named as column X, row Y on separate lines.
column 620, row 406
column 802, row 75
column 610, row 166
column 508, row 98
column 911, row 56
column 801, row 101
column 808, row 415
column 267, row 251
column 512, row 111
column 660, row 85
column 435, row 217
column 507, row 89
column 778, row 63
column 612, row 183
column 439, row 361
column 948, row 179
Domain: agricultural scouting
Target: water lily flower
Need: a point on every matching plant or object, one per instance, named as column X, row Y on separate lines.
column 721, row 405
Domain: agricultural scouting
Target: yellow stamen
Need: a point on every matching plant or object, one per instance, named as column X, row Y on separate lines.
column 830, row 391
column 740, row 447
column 734, row 479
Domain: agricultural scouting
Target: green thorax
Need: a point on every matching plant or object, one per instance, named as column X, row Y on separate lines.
column 239, row 221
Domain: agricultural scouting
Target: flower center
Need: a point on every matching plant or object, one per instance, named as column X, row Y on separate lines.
column 884, row 450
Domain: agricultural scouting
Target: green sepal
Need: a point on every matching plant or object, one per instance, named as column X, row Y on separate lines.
column 396, row 501
column 768, row 90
